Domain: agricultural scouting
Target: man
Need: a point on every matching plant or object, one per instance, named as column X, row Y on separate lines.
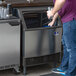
column 67, row 11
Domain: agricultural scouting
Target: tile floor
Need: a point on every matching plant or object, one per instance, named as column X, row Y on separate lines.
column 32, row 71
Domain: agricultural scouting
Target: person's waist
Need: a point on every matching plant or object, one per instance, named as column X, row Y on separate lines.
column 68, row 18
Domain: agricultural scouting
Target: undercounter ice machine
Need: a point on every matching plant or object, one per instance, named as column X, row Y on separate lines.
column 40, row 44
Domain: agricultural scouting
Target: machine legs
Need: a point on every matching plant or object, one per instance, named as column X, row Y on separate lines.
column 16, row 69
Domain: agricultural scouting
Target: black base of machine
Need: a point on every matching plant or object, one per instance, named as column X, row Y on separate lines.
column 52, row 74
column 43, row 60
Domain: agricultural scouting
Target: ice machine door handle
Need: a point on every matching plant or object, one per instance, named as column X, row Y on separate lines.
column 14, row 23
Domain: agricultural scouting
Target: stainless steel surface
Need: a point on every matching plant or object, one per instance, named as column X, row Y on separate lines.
column 9, row 45
column 42, row 42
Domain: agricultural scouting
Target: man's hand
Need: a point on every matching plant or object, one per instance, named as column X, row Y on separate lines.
column 51, row 23
column 50, row 14
column 53, row 20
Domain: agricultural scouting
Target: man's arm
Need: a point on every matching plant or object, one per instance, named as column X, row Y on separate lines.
column 58, row 5
column 54, row 19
